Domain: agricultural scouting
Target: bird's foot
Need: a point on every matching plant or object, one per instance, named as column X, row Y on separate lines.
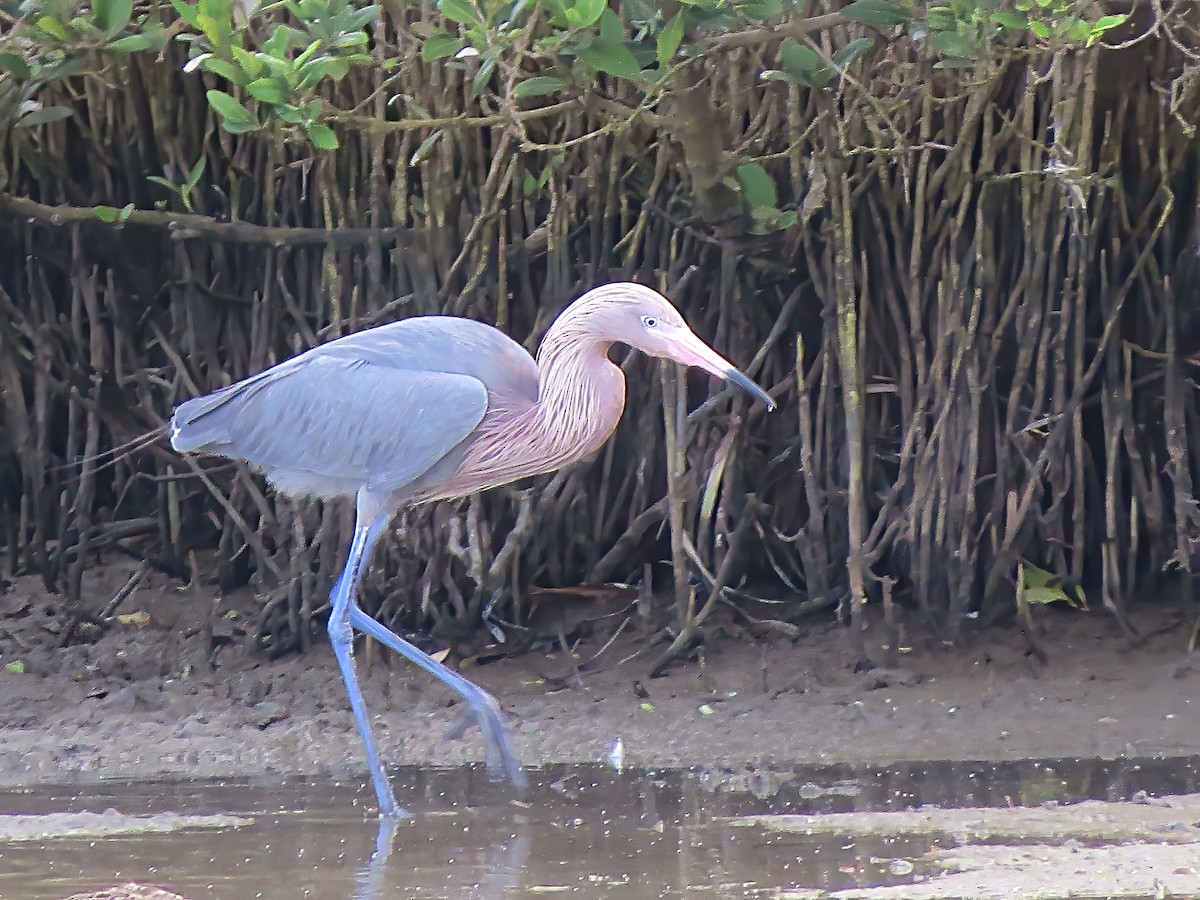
column 484, row 711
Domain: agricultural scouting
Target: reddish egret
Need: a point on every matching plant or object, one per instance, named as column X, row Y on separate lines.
column 430, row 408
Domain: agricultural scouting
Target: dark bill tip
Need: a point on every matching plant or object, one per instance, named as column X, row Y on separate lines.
column 736, row 377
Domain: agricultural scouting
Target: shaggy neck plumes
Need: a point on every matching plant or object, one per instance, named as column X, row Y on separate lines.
column 581, row 394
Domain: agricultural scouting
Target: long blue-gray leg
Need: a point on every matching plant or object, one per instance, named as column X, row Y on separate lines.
column 369, row 524
column 373, row 514
column 483, row 705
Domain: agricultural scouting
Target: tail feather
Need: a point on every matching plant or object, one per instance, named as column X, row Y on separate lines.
column 195, row 425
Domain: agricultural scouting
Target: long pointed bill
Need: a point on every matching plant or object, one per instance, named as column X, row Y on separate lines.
column 691, row 351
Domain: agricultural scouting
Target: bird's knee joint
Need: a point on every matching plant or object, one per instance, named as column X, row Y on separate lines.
column 340, row 633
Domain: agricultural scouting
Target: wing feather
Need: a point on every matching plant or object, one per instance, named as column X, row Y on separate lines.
column 332, row 424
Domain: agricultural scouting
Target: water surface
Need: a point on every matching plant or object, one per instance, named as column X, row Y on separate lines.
column 579, row 831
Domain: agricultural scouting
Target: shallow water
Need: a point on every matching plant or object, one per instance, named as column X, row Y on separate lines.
column 587, row 831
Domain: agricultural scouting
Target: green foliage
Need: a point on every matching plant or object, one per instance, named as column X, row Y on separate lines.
column 52, row 41
column 879, row 13
column 278, row 81
column 271, row 66
column 805, row 67
column 1037, row 586
column 761, row 195
column 308, row 43
column 539, row 86
column 111, row 215
column 535, row 186
column 185, row 192
column 961, row 31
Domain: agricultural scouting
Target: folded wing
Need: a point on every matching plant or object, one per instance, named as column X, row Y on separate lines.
column 329, row 425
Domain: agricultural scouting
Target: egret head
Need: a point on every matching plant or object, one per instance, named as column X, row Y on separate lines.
column 645, row 320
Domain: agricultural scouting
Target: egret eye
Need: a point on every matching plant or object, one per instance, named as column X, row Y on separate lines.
column 650, row 321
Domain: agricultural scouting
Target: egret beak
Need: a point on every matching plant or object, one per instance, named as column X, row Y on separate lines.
column 691, row 351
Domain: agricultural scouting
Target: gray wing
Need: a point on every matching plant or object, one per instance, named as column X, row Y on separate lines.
column 444, row 344
column 328, row 426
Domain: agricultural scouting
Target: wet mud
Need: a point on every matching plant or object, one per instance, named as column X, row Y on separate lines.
column 149, row 702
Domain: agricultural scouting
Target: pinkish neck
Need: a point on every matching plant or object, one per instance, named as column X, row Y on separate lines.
column 581, row 392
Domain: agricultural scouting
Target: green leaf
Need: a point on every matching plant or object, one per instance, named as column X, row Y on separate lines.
column 84, row 27
column 799, row 59
column 117, row 16
column 135, row 43
column 312, row 72
column 761, row 9
column 226, row 70
column 779, row 75
column 877, row 13
column 766, row 219
column 1106, row 22
column 608, row 53
column 291, row 114
column 1079, row 31
column 558, row 12
column 852, row 52
column 942, row 18
column 307, row 53
column 954, row 44
column 641, row 13
column 249, row 63
column 354, row 39
column 277, row 44
column 227, row 107
column 106, row 213
column 461, row 11
column 439, row 46
column 585, row 13
column 363, row 17
column 787, row 219
column 1040, row 29
column 1013, row 21
column 42, row 116
column 279, row 67
column 125, row 213
column 669, row 40
column 267, row 90
column 758, row 187
column 426, row 146
column 164, row 182
column 955, row 62
column 1103, row 24
column 16, row 667
column 240, row 127
column 1035, row 585
column 189, row 12
column 322, row 136
column 10, row 62
column 480, row 82
column 803, row 65
column 538, row 86
column 53, row 27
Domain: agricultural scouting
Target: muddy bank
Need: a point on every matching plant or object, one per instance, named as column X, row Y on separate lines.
column 143, row 700
column 1147, row 849
column 106, row 824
